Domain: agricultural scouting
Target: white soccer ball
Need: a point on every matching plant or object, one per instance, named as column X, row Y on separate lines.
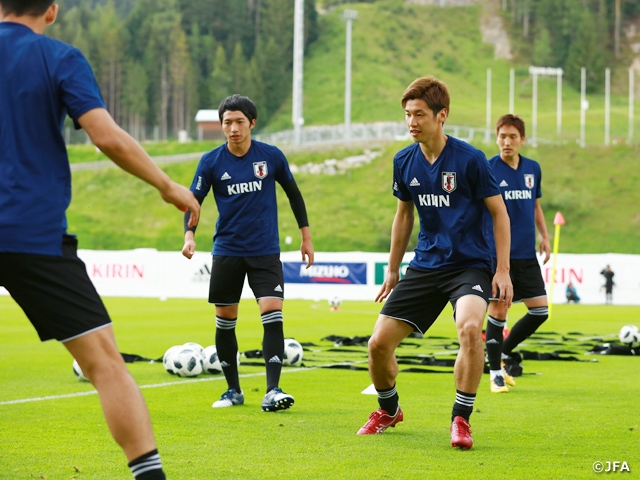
column 77, row 371
column 196, row 346
column 211, row 362
column 629, row 334
column 292, row 352
column 168, row 357
column 335, row 302
column 187, row 362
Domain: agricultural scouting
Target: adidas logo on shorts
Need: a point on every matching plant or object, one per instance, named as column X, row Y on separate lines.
column 277, row 289
column 478, row 288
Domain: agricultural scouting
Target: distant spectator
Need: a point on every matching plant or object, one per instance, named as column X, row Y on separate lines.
column 608, row 284
column 572, row 294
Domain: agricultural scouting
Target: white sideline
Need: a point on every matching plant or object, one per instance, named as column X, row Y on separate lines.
column 170, row 384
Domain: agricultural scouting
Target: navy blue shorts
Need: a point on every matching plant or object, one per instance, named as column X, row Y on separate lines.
column 421, row 295
column 264, row 273
column 55, row 293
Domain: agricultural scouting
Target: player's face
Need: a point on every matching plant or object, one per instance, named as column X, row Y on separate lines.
column 422, row 123
column 509, row 141
column 236, row 126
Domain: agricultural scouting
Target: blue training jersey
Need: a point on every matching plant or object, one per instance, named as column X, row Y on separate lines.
column 244, row 189
column 520, row 188
column 449, row 196
column 41, row 81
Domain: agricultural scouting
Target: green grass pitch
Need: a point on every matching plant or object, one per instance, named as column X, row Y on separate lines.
column 561, row 418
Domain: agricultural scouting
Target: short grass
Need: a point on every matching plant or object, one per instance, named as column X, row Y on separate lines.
column 560, row 418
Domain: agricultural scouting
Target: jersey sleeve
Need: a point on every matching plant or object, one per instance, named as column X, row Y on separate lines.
column 400, row 189
column 481, row 177
column 283, row 172
column 78, row 86
column 539, row 182
column 201, row 183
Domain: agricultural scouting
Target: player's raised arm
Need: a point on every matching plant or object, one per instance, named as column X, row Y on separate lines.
column 125, row 152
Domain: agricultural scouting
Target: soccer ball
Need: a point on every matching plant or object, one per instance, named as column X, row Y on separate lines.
column 335, row 303
column 629, row 334
column 77, row 371
column 196, row 346
column 168, row 357
column 211, row 362
column 187, row 362
column 292, row 352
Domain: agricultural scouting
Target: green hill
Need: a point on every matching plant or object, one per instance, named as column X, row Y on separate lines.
column 596, row 189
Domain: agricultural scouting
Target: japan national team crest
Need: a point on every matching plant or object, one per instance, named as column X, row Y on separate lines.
column 449, row 183
column 260, row 169
column 528, row 180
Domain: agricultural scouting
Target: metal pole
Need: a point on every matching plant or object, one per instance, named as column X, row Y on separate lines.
column 348, row 16
column 583, row 103
column 559, row 108
column 534, row 112
column 607, row 106
column 298, row 60
column 487, row 131
column 631, row 101
column 512, row 87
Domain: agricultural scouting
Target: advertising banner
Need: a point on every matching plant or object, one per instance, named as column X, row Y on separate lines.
column 342, row 273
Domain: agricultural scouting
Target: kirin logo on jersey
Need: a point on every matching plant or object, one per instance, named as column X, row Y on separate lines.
column 529, row 180
column 260, row 169
column 449, row 183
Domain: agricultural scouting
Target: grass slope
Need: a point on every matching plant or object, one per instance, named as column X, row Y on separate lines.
column 596, row 189
column 394, row 43
column 560, row 418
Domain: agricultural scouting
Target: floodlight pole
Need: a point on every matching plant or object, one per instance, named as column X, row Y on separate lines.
column 487, row 130
column 512, row 88
column 584, row 105
column 631, row 101
column 298, row 60
column 348, row 16
column 534, row 111
column 607, row 106
column 559, row 106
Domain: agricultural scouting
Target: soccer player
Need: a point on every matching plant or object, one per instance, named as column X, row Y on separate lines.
column 520, row 181
column 608, row 283
column 242, row 174
column 41, row 81
column 449, row 182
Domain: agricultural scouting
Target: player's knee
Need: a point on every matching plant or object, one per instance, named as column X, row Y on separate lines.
column 469, row 332
column 378, row 347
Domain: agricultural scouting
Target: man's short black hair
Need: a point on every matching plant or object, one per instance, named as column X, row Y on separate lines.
column 238, row 103
column 20, row 8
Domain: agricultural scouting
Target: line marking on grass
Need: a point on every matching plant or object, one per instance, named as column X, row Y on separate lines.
column 171, row 384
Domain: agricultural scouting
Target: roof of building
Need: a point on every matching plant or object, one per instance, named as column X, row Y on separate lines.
column 207, row 116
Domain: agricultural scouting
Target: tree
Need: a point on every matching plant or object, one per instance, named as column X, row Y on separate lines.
column 587, row 51
column 221, row 79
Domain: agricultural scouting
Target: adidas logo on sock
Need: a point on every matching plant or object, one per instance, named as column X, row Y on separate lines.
column 224, row 364
column 414, row 182
column 226, row 176
column 478, row 288
column 277, row 289
column 504, row 183
column 492, row 340
column 275, row 359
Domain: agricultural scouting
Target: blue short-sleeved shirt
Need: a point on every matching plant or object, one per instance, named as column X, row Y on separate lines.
column 41, row 81
column 449, row 196
column 244, row 189
column 520, row 188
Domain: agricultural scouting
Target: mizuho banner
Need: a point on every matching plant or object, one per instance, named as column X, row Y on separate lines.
column 341, row 273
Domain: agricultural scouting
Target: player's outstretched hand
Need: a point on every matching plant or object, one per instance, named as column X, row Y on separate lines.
column 183, row 199
column 307, row 252
column 502, row 283
column 388, row 285
column 189, row 248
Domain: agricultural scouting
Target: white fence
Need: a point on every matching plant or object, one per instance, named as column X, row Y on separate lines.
column 348, row 275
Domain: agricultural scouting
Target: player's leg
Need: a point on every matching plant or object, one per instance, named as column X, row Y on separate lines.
column 59, row 299
column 537, row 314
column 225, row 289
column 496, row 321
column 383, row 370
column 266, row 280
column 122, row 402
